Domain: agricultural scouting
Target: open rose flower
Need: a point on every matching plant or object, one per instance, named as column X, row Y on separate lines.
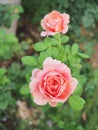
column 55, row 22
column 53, row 84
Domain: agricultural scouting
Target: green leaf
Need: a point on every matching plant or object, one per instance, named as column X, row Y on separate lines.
column 19, row 8
column 54, row 42
column 5, row 100
column 59, row 104
column 79, row 127
column 55, row 36
column 2, row 71
column 83, row 55
column 3, row 104
column 5, row 80
column 48, row 41
column 64, row 39
column 61, row 124
column 39, row 46
column 55, row 52
column 24, row 89
column 25, row 45
column 51, row 41
column 61, row 54
column 74, row 48
column 78, row 90
column 86, row 22
column 67, row 49
column 42, row 57
column 76, row 102
column 29, row 60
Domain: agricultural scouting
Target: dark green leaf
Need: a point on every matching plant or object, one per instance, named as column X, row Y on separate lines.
column 3, row 104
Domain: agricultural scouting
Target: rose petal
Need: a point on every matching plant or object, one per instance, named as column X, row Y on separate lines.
column 55, row 65
column 53, row 84
column 65, row 30
column 39, row 98
column 55, row 22
column 69, row 90
column 53, row 104
column 32, row 85
column 44, row 33
column 43, row 24
column 66, row 18
column 73, row 85
column 34, row 72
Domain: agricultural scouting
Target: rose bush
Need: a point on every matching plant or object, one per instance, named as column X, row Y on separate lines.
column 53, row 84
column 55, row 22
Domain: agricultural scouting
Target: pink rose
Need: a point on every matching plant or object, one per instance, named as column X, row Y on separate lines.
column 53, row 84
column 55, row 22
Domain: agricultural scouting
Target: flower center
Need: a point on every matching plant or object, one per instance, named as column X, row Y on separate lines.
column 53, row 84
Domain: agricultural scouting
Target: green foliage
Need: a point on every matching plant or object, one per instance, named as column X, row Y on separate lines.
column 8, row 13
column 5, row 88
column 70, row 55
column 40, row 46
column 83, row 55
column 90, row 13
column 29, row 60
column 86, row 16
column 64, row 39
column 2, row 71
column 76, row 102
column 74, row 48
column 12, row 79
column 8, row 45
column 24, row 89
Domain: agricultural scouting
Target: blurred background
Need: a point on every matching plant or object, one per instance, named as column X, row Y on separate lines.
column 19, row 30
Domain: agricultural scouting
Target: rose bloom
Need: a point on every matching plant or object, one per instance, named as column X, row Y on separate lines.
column 53, row 84
column 55, row 22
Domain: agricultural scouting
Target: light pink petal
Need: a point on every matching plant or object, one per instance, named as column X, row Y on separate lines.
column 39, row 98
column 73, row 85
column 49, row 61
column 65, row 29
column 55, row 22
column 53, row 104
column 66, row 18
column 51, row 33
column 33, row 85
column 56, row 65
column 43, row 25
column 44, row 33
column 34, row 72
column 55, row 12
column 68, row 91
column 58, row 26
